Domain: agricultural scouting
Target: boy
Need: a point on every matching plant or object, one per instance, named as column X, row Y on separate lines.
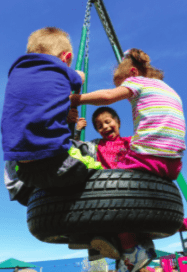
column 111, row 150
column 35, row 131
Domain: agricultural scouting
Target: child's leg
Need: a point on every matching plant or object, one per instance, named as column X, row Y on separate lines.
column 137, row 252
column 67, row 169
column 108, row 246
column 94, row 255
column 138, row 256
column 17, row 189
column 128, row 240
column 111, row 247
column 163, row 167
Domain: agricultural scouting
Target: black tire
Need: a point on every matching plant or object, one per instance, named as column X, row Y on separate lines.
column 111, row 201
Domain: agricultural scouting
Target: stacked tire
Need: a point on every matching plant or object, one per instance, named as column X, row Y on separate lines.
column 111, row 201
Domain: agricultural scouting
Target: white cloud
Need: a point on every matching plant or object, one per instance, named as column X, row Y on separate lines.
column 172, row 247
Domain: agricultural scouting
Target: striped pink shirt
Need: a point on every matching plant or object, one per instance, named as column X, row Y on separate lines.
column 159, row 125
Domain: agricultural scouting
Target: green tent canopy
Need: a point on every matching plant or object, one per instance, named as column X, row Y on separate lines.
column 13, row 263
column 160, row 253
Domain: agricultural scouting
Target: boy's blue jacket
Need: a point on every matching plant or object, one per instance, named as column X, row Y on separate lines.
column 36, row 106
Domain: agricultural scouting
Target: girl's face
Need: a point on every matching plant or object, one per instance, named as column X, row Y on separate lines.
column 107, row 126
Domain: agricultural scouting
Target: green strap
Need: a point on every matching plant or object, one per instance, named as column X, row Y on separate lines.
column 182, row 184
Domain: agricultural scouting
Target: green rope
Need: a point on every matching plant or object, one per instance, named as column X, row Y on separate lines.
column 84, row 90
column 81, row 48
column 182, row 184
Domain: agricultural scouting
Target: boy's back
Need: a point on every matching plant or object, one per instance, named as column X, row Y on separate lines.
column 36, row 107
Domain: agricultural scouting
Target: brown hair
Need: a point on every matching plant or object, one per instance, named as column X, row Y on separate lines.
column 49, row 40
column 136, row 58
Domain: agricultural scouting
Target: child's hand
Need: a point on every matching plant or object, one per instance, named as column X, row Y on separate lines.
column 72, row 116
column 82, row 75
column 75, row 100
column 81, row 123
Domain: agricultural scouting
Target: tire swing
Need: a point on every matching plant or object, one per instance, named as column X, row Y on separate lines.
column 111, row 201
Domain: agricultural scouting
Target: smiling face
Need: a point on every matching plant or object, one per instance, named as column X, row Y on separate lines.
column 107, row 126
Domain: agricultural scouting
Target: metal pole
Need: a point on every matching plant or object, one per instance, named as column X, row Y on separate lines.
column 107, row 24
column 117, row 53
column 182, row 241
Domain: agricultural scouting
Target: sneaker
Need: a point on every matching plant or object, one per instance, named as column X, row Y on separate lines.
column 139, row 258
column 149, row 246
column 152, row 255
column 94, row 255
column 121, row 267
column 107, row 248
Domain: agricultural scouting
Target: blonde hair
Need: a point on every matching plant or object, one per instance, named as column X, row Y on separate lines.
column 49, row 40
column 136, row 58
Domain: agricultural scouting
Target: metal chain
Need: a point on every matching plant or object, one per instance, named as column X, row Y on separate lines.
column 103, row 18
column 87, row 24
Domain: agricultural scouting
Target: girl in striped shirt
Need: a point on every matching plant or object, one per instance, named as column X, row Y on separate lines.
column 159, row 126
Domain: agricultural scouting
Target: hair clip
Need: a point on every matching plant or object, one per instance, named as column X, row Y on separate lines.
column 126, row 53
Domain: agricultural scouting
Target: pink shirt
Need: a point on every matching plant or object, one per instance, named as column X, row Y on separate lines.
column 118, row 155
column 111, row 153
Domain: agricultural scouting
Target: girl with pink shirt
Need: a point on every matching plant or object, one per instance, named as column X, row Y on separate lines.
column 111, row 151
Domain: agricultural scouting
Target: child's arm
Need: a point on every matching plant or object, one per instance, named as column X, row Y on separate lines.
column 81, row 123
column 81, row 74
column 72, row 116
column 101, row 97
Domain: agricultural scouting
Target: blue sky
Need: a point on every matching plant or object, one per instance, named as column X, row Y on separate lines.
column 157, row 27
